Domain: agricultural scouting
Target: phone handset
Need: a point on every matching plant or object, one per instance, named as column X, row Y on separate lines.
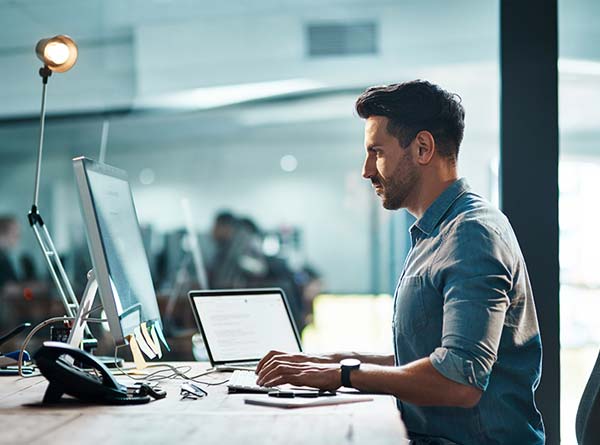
column 84, row 359
column 76, row 381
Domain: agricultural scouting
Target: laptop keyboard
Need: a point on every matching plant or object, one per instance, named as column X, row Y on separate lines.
column 245, row 381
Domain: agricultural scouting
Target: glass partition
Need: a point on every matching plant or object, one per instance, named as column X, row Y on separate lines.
column 243, row 115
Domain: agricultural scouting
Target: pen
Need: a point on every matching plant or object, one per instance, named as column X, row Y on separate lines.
column 282, row 394
column 304, row 394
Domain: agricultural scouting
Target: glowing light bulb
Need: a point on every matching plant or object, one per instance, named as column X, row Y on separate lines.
column 57, row 52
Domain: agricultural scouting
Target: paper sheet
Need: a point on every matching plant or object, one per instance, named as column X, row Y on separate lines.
column 161, row 335
column 138, row 358
column 137, row 332
column 149, row 339
column 156, row 341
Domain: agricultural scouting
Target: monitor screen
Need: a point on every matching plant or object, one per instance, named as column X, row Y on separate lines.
column 240, row 326
column 116, row 247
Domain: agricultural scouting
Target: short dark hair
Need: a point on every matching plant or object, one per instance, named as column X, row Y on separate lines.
column 415, row 106
column 225, row 218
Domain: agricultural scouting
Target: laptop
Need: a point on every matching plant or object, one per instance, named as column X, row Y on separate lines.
column 239, row 326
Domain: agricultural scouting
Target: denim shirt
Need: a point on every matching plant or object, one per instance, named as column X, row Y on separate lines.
column 465, row 301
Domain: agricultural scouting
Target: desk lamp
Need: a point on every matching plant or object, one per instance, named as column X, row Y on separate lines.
column 58, row 54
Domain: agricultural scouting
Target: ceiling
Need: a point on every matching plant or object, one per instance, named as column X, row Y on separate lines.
column 139, row 58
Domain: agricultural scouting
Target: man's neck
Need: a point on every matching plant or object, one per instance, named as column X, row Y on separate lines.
column 429, row 191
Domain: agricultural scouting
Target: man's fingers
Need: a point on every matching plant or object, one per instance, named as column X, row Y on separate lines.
column 268, row 364
column 293, row 379
column 271, row 356
column 277, row 369
column 277, row 357
column 270, row 371
column 266, row 359
column 274, row 382
column 298, row 360
column 274, row 363
column 324, row 377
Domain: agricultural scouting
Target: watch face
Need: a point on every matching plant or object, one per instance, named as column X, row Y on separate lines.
column 350, row 362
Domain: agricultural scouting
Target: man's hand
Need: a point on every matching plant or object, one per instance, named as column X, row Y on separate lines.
column 278, row 368
column 294, row 358
column 316, row 375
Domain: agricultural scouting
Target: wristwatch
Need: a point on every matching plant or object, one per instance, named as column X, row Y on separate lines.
column 347, row 366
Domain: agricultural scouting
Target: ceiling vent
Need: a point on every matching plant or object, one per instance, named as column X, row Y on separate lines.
column 341, row 39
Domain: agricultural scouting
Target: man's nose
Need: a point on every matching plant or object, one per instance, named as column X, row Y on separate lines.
column 368, row 168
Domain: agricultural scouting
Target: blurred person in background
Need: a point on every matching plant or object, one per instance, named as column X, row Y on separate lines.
column 14, row 268
column 18, row 281
column 240, row 262
column 223, row 269
column 10, row 234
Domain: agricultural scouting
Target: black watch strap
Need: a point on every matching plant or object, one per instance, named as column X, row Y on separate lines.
column 347, row 366
column 346, row 370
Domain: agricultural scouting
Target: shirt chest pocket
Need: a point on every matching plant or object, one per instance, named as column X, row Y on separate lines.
column 409, row 312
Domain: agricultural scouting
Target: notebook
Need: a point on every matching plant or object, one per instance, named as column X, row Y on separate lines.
column 305, row 403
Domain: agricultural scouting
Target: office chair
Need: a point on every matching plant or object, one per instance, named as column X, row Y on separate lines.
column 587, row 424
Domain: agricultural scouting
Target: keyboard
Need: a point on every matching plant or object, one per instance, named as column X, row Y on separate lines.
column 245, row 381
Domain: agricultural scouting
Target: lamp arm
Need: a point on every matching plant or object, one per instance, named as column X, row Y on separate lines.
column 42, row 235
column 45, row 73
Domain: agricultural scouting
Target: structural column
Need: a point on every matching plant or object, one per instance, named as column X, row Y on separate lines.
column 529, row 170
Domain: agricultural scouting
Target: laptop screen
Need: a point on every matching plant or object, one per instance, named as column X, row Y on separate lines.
column 244, row 325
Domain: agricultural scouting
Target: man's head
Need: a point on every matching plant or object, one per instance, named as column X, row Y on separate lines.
column 224, row 227
column 9, row 232
column 410, row 129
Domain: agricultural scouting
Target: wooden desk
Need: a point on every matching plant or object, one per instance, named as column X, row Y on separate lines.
column 217, row 419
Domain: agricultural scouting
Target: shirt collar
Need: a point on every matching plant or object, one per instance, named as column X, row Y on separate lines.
column 436, row 211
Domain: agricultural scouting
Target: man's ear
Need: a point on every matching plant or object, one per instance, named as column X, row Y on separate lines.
column 425, row 147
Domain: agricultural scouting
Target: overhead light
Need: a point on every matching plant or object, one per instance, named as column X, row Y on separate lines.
column 59, row 53
column 220, row 96
column 288, row 163
column 147, row 176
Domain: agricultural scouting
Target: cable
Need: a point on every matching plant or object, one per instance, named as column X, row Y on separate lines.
column 98, row 306
column 42, row 325
column 207, row 372
column 176, row 373
column 175, row 370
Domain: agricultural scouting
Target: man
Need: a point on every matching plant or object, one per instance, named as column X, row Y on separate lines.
column 10, row 272
column 467, row 349
column 9, row 240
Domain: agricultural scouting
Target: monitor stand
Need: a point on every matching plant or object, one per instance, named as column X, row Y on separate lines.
column 77, row 336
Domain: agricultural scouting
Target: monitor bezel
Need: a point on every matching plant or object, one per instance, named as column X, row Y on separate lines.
column 235, row 292
column 94, row 240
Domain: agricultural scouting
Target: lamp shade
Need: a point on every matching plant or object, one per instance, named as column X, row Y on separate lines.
column 59, row 53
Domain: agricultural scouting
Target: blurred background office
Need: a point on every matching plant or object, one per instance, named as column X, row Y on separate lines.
column 235, row 123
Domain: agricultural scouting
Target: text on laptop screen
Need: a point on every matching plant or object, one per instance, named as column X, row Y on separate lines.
column 245, row 327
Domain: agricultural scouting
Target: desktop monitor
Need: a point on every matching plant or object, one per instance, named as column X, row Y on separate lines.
column 116, row 247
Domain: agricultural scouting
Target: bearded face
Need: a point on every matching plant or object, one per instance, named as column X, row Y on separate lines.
column 395, row 189
column 390, row 167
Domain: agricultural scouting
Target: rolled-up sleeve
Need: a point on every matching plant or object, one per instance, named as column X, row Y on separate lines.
column 475, row 276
